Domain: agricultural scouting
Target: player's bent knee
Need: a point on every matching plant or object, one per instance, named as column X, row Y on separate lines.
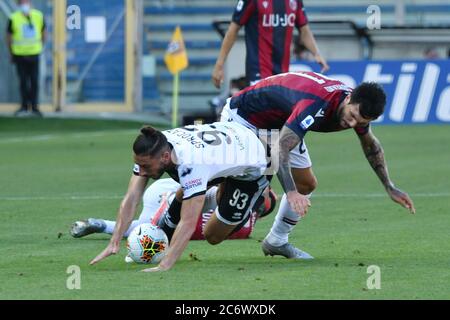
column 212, row 238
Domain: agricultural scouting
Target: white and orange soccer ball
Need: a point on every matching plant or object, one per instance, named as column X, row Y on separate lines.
column 147, row 243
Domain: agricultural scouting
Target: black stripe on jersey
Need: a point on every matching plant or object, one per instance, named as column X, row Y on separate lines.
column 252, row 66
column 238, row 15
column 278, row 37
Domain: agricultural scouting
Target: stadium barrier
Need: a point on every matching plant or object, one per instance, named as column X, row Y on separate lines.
column 418, row 91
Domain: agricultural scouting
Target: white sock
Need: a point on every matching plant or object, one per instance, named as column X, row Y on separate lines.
column 133, row 225
column 110, row 225
column 285, row 221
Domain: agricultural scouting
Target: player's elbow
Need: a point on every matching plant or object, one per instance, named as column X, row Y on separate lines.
column 212, row 239
column 307, row 186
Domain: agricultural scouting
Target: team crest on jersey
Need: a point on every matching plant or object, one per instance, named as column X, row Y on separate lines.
column 265, row 4
column 240, row 5
column 293, row 4
column 308, row 122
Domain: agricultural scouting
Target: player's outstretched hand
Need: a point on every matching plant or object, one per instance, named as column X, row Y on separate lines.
column 217, row 76
column 320, row 60
column 402, row 198
column 111, row 249
column 298, row 202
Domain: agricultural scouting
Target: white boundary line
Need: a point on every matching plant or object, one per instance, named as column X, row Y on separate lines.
column 116, row 197
column 47, row 137
column 76, row 198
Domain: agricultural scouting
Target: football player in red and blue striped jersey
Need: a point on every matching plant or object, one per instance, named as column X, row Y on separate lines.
column 296, row 103
column 269, row 26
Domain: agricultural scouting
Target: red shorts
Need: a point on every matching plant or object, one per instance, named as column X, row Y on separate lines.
column 243, row 233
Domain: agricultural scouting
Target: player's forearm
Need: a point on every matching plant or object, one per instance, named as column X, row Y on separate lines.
column 190, row 212
column 128, row 206
column 179, row 242
column 228, row 42
column 375, row 156
column 308, row 40
column 125, row 218
column 288, row 140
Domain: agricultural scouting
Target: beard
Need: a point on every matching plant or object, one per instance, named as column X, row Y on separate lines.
column 344, row 124
column 158, row 174
column 160, row 171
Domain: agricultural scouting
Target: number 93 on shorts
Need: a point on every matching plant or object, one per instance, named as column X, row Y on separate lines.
column 239, row 198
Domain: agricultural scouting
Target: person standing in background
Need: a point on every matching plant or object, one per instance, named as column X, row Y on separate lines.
column 269, row 27
column 26, row 34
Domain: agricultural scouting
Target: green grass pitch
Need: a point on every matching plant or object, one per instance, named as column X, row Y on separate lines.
column 56, row 171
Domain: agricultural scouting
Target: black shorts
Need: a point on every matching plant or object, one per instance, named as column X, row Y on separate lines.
column 238, row 199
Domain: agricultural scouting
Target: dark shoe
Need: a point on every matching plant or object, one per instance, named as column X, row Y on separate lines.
column 37, row 113
column 85, row 227
column 287, row 250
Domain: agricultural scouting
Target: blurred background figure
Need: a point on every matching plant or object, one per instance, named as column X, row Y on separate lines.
column 300, row 52
column 269, row 27
column 236, row 85
column 26, row 33
column 431, row 53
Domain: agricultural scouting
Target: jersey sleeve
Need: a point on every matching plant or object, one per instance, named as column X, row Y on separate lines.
column 301, row 18
column 303, row 117
column 361, row 131
column 193, row 180
column 244, row 10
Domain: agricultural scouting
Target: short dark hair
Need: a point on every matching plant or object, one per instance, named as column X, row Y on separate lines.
column 150, row 142
column 371, row 99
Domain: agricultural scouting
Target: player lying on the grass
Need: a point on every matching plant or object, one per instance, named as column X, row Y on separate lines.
column 195, row 156
column 156, row 204
column 296, row 103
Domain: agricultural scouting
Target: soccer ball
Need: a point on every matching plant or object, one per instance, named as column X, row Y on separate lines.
column 147, row 243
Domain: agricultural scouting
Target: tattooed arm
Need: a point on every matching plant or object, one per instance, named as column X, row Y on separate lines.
column 375, row 155
column 288, row 141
